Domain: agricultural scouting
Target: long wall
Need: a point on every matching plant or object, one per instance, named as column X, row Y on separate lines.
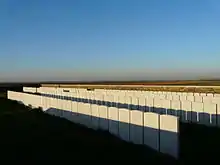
column 198, row 108
column 30, row 89
column 121, row 114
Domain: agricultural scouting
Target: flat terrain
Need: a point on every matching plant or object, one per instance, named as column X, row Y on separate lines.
column 199, row 86
column 208, row 86
column 30, row 135
column 174, row 82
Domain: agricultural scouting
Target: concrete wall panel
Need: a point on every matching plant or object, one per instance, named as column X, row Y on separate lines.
column 113, row 120
column 87, row 115
column 121, row 99
column 149, row 104
column 169, row 138
column 158, row 106
column 74, row 107
column 198, row 99
column 128, row 101
column 197, row 112
column 190, row 94
column 124, row 124
column 53, row 108
column 136, row 127
column 110, row 100
column 103, row 120
column 210, row 94
column 44, row 103
column 210, row 114
column 184, row 94
column 176, row 97
column 36, row 101
column 142, row 103
column 216, row 100
column 186, row 107
column 26, row 99
column 67, row 109
column 80, row 117
column 183, row 98
column 95, row 116
column 166, row 105
column 75, row 113
column 169, row 97
column 135, row 103
column 151, row 130
column 59, row 103
column 203, row 94
column 190, row 98
column 216, row 95
column 30, row 89
column 162, row 96
column 61, row 107
column 207, row 99
column 175, row 108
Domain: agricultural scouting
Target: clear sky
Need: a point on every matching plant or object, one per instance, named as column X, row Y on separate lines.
column 109, row 38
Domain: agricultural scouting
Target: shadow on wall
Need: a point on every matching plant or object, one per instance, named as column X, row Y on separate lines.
column 184, row 115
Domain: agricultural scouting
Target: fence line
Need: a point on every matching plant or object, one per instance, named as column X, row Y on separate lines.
column 189, row 107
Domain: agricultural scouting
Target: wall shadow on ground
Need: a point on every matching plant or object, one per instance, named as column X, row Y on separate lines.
column 161, row 140
column 197, row 143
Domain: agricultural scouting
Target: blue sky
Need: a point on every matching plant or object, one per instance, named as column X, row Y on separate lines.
column 108, row 38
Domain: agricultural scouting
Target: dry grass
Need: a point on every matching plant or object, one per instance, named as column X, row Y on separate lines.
column 170, row 89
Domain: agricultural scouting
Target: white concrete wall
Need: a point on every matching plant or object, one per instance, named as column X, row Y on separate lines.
column 30, row 89
column 159, row 132
column 27, row 99
column 189, row 107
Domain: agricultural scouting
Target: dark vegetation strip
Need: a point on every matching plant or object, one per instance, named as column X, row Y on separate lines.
column 199, row 143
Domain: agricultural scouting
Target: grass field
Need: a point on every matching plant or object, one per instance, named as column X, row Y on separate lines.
column 117, row 85
column 31, row 135
column 174, row 82
column 145, row 88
